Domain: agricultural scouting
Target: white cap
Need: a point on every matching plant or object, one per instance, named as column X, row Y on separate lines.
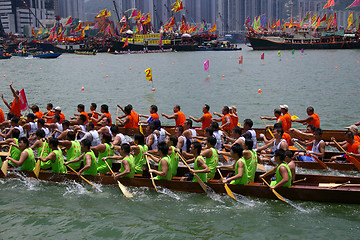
column 58, row 108
column 352, row 128
column 284, row 106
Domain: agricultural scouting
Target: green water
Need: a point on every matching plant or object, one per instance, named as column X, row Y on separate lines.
column 32, row 209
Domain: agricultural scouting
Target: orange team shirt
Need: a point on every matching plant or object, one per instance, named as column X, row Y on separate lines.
column 181, row 118
column 228, row 127
column 315, row 121
column 94, row 115
column 109, row 116
column 287, row 117
column 207, row 120
column 50, row 114
column 2, row 118
column 16, row 108
column 357, row 138
column 284, row 123
column 135, row 119
column 39, row 114
column 233, row 121
column 62, row 117
column 352, row 149
column 287, row 137
column 154, row 116
column 130, row 123
column 87, row 116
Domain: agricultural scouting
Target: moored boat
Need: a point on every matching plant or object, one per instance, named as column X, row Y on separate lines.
column 47, row 55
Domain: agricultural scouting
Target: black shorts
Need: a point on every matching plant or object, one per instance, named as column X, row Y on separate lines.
column 189, row 177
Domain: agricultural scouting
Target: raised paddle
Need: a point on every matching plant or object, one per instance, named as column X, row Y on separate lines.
column 38, row 163
column 355, row 161
column 202, row 184
column 317, row 159
column 272, row 135
column 227, row 189
column 81, row 176
column 117, row 114
column 4, row 166
column 275, row 192
column 151, row 175
column 122, row 187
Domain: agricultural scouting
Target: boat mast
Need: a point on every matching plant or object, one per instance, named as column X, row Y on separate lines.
column 27, row 6
column 117, row 13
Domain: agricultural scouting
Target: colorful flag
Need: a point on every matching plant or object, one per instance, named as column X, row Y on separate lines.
column 60, row 30
column 39, row 32
column 323, row 18
column 176, row 5
column 334, row 21
column 139, row 15
column 107, row 13
column 330, row 3
column 314, row 18
column 262, row 56
column 123, row 19
column 23, row 100
column 72, row 31
column 79, row 27
column 278, row 23
column 206, row 65
column 51, row 36
column 263, row 20
column 307, row 16
column 32, row 32
column 69, row 21
column 53, row 29
column 180, row 7
column 357, row 23
column 134, row 13
column 148, row 74
column 291, row 23
column 96, row 25
column 318, row 23
column 350, row 20
column 102, row 13
column 126, row 43
column 354, row 4
column 247, row 21
column 213, row 29
column 142, row 19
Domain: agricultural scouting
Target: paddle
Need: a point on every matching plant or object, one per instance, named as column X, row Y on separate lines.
column 151, row 175
column 202, row 184
column 81, row 176
column 227, row 189
column 117, row 114
column 355, row 161
column 317, row 159
column 260, row 167
column 294, row 117
column 4, row 166
column 275, row 192
column 340, row 185
column 38, row 163
column 272, row 135
column 300, row 180
column 122, row 187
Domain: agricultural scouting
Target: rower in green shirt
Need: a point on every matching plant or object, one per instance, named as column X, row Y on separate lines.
column 173, row 153
column 55, row 157
column 211, row 155
column 127, row 164
column 104, row 150
column 26, row 161
column 241, row 176
column 88, row 156
column 39, row 145
column 73, row 149
column 14, row 152
column 139, row 149
column 164, row 169
column 200, row 168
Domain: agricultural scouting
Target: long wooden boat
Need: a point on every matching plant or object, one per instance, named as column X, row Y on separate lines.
column 308, row 190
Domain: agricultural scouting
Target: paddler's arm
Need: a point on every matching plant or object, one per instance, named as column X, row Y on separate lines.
column 270, row 172
column 114, row 157
column 87, row 164
column 197, row 119
column 174, row 116
column 65, row 143
column 17, row 98
column 268, row 118
column 6, row 103
column 51, row 156
column 127, row 170
column 266, row 145
column 98, row 149
column 240, row 167
column 75, row 159
column 226, row 167
column 24, row 155
column 118, row 105
column 201, row 164
column 152, row 157
column 164, row 169
column 285, row 177
column 224, row 153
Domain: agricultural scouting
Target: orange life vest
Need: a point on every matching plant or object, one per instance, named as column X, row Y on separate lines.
column 228, row 127
column 352, row 149
column 207, row 120
column 16, row 108
column 233, row 121
column 287, row 117
column 181, row 118
column 315, row 121
column 135, row 119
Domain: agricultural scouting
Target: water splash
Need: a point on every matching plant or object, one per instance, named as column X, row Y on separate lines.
column 244, row 200
column 75, row 188
column 168, row 192
column 213, row 195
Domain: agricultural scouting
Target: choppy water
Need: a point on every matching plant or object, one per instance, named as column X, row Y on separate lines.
column 37, row 210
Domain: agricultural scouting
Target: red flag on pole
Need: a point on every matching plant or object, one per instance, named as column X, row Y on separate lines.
column 23, row 100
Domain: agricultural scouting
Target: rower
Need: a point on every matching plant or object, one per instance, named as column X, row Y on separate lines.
column 88, row 156
column 289, row 156
column 205, row 119
column 160, row 132
column 312, row 118
column 317, row 147
column 211, row 156
column 55, row 157
column 129, row 121
column 189, row 131
column 2, row 117
column 152, row 139
column 26, row 161
column 104, row 126
column 200, row 168
column 30, row 127
column 42, row 146
column 93, row 113
column 173, row 153
column 127, row 169
column 104, row 109
column 283, row 177
column 250, row 160
column 224, row 119
column 15, row 107
column 153, row 115
column 182, row 143
column 41, row 125
column 139, row 149
column 49, row 113
column 14, row 152
column 285, row 111
column 14, row 125
column 119, row 138
column 80, row 127
column 241, row 173
column 164, row 169
column 36, row 111
column 351, row 146
column 81, row 111
column 66, row 128
column 234, row 119
column 57, row 110
column 279, row 142
column 236, row 138
column 178, row 116
column 55, row 126
column 285, row 136
column 104, row 150
column 92, row 135
column 279, row 119
column 73, row 149
column 218, row 134
column 355, row 130
column 249, row 132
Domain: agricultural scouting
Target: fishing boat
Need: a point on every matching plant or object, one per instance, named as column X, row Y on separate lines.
column 46, row 55
column 216, row 45
column 5, row 56
column 310, row 188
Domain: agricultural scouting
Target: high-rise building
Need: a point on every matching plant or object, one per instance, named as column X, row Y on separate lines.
column 73, row 8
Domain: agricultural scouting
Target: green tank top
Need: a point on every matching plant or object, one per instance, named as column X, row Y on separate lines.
column 140, row 159
column 251, row 166
column 212, row 162
column 93, row 167
column 58, row 166
column 15, row 153
column 203, row 176
column 29, row 163
column 279, row 177
column 131, row 161
column 101, row 165
column 47, row 150
column 244, row 177
column 73, row 152
column 168, row 175
column 174, row 161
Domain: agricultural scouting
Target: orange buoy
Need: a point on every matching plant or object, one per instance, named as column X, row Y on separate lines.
column 82, row 89
column 107, row 75
column 4, row 75
column 357, row 62
column 336, row 67
column 129, row 68
column 223, row 76
column 209, row 76
column 153, row 89
column 172, row 63
column 102, row 64
column 40, row 68
column 259, row 91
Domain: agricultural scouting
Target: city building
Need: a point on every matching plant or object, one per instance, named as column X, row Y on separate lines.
column 73, row 8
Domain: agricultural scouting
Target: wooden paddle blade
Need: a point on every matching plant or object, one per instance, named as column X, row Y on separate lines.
column 124, row 190
column 202, row 184
column 229, row 192
column 4, row 167
column 279, row 196
column 260, row 167
column 37, row 168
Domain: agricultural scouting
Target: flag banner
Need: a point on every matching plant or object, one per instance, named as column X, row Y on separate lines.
column 23, row 101
column 206, row 65
column 148, row 74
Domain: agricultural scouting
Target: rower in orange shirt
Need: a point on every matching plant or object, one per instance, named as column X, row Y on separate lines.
column 93, row 113
column 279, row 119
column 205, row 119
column 153, row 115
column 49, row 113
column 128, row 121
column 81, row 110
column 234, row 119
column 351, row 146
column 35, row 109
column 312, row 118
column 285, row 111
column 15, row 107
column 178, row 116
column 104, row 109
column 225, row 119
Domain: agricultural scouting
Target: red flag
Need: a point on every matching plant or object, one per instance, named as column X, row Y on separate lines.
column 179, row 8
column 262, row 56
column 278, row 23
column 32, row 32
column 330, row 3
column 51, row 36
column 69, row 21
column 324, row 18
column 126, row 43
column 23, row 100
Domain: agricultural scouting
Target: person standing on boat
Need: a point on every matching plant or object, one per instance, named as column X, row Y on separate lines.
column 26, row 161
column 279, row 119
column 205, row 119
column 73, row 149
column 15, row 107
column 178, row 116
column 351, row 146
column 211, row 156
column 249, row 132
column 283, row 177
column 88, row 156
column 312, row 118
column 287, row 117
column 164, row 169
column 224, row 119
column 241, row 173
column 104, row 150
column 153, row 115
column 200, row 168
column 139, row 149
column 55, row 157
